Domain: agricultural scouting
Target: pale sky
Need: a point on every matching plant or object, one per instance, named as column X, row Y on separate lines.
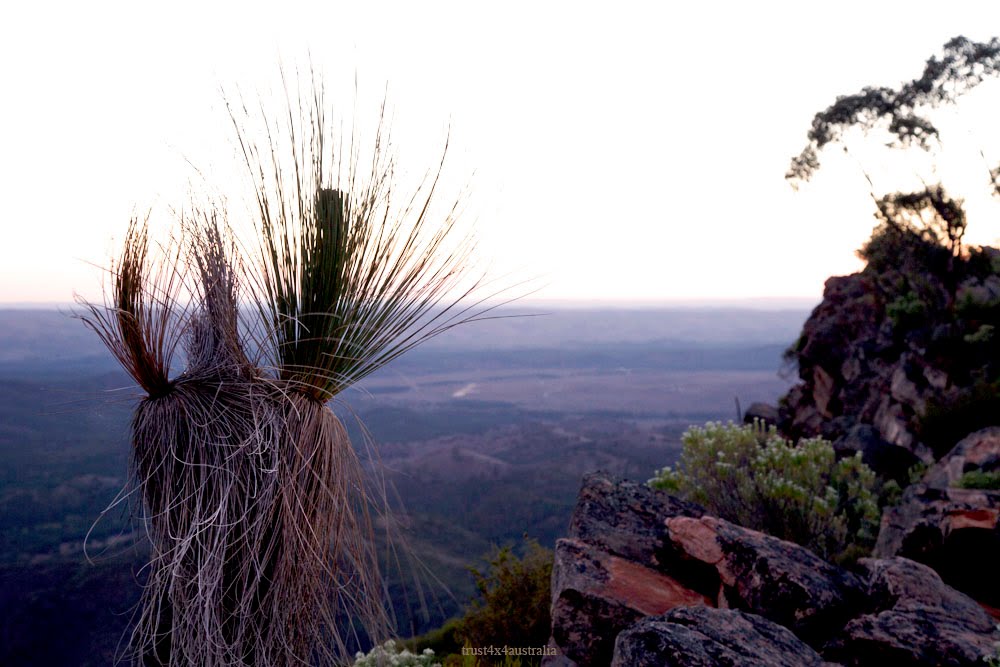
column 613, row 151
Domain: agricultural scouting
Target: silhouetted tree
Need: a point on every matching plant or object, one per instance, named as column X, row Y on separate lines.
column 930, row 213
column 963, row 66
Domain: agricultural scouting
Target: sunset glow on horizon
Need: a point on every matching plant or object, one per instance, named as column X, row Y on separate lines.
column 612, row 154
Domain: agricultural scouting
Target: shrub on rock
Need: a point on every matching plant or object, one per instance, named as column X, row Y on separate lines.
column 753, row 477
column 513, row 609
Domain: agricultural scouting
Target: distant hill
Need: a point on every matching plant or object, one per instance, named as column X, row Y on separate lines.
column 50, row 334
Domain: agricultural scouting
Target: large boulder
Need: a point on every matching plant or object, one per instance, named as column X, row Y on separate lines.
column 954, row 531
column 921, row 637
column 915, row 620
column 706, row 637
column 625, row 518
column 607, row 574
column 595, row 595
column 903, row 584
column 748, row 570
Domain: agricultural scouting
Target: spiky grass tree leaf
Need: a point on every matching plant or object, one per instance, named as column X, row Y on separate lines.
column 144, row 314
column 349, row 281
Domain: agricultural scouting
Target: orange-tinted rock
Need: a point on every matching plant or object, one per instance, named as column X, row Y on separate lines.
column 606, row 575
column 758, row 573
column 981, row 517
column 646, row 590
column 698, row 538
column 596, row 594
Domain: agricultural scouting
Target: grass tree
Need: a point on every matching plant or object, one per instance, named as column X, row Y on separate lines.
column 255, row 501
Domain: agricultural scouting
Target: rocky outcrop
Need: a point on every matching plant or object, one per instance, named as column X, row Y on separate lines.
column 748, row 570
column 606, row 573
column 856, row 368
column 830, row 363
column 899, row 363
column 625, row 518
column 706, row 637
column 980, row 451
column 906, row 347
column 916, row 620
column 592, row 588
column 956, row 531
column 646, row 579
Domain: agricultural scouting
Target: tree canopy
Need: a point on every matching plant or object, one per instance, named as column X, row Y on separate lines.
column 963, row 65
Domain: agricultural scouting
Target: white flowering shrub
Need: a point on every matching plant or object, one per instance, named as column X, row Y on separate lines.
column 752, row 476
column 390, row 655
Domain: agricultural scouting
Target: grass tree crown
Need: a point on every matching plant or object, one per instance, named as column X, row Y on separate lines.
column 253, row 496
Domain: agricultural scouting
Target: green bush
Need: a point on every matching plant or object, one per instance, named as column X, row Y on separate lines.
column 899, row 247
column 979, row 479
column 512, row 609
column 906, row 311
column 753, row 477
column 515, row 595
column 983, row 334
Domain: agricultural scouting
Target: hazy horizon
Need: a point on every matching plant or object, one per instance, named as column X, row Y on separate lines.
column 776, row 303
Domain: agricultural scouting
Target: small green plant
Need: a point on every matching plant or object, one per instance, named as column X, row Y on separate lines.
column 515, row 594
column 799, row 492
column 390, row 653
column 907, row 310
column 890, row 491
column 511, row 610
column 980, row 479
column 983, row 334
